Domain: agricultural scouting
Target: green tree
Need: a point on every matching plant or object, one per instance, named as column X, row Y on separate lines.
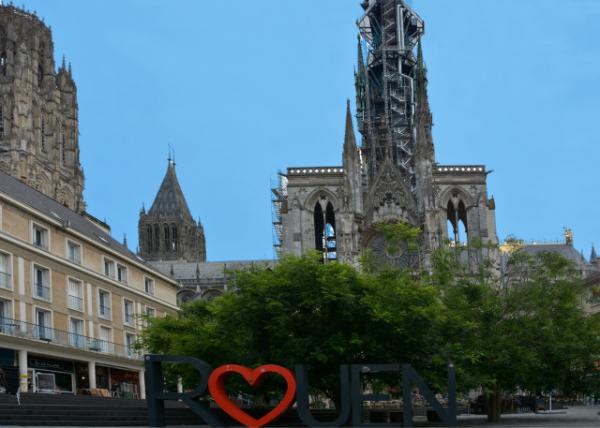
column 305, row 311
column 526, row 329
column 518, row 328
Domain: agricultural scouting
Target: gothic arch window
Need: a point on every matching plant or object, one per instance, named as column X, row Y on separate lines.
column 319, row 227
column 62, row 149
column 3, row 63
column 167, row 237
column 330, row 232
column 174, row 237
column 149, row 240
column 325, row 230
column 457, row 221
column 156, row 237
column 43, row 134
column 462, row 222
column 3, row 46
column 1, row 121
column 41, row 59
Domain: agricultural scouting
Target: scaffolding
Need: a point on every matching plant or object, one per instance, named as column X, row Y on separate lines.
column 278, row 207
column 389, row 32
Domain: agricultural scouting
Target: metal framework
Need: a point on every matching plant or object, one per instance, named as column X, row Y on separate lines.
column 278, row 204
column 385, row 83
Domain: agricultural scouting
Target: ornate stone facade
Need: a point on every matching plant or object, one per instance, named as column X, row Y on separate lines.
column 393, row 176
column 39, row 139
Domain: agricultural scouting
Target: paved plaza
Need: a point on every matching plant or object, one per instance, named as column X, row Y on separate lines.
column 579, row 417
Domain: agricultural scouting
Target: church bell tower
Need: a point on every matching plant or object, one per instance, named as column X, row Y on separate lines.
column 39, row 136
column 168, row 231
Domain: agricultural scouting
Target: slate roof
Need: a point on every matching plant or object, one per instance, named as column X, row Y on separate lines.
column 209, row 270
column 565, row 250
column 169, row 201
column 29, row 196
column 592, row 279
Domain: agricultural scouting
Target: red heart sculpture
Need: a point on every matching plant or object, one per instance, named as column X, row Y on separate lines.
column 216, row 386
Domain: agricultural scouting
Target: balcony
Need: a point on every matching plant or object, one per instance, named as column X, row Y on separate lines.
column 75, row 303
column 25, row 330
column 104, row 311
column 128, row 319
column 75, row 258
column 5, row 280
column 41, row 292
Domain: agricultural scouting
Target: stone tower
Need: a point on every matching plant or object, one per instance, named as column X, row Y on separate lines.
column 393, row 177
column 168, row 231
column 38, row 111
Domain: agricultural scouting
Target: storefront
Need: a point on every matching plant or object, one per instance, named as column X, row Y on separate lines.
column 49, row 375
column 102, row 377
column 124, row 383
column 7, row 357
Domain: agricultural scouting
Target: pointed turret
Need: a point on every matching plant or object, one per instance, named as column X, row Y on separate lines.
column 349, row 137
column 351, row 163
column 423, row 116
column 360, row 84
column 168, row 230
column 169, row 200
column 593, row 255
column 424, row 156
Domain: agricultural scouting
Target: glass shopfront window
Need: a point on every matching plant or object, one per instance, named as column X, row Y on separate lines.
column 51, row 375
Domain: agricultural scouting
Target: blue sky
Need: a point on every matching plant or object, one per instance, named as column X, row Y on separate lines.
column 244, row 88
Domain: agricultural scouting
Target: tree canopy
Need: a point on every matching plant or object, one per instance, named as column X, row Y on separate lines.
column 522, row 329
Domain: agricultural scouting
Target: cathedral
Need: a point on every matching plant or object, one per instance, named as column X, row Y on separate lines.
column 38, row 111
column 393, row 175
column 388, row 175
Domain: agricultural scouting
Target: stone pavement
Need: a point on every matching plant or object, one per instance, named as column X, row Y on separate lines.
column 580, row 416
column 576, row 417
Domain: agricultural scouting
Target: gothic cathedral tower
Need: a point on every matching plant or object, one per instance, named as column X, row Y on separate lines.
column 168, row 231
column 38, row 111
column 393, row 176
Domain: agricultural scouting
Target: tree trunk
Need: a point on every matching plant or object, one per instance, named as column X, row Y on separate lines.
column 493, row 404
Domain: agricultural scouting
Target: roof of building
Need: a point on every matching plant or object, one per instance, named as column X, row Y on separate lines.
column 592, row 279
column 29, row 196
column 565, row 250
column 170, row 201
column 181, row 270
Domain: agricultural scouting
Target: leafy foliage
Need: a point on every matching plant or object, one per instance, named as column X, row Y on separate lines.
column 522, row 329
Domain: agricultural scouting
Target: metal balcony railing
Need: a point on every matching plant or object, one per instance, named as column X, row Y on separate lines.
column 128, row 319
column 104, row 311
column 41, row 291
column 75, row 258
column 75, row 303
column 41, row 244
column 25, row 330
column 5, row 280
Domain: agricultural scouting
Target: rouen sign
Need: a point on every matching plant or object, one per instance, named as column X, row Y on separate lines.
column 351, row 397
